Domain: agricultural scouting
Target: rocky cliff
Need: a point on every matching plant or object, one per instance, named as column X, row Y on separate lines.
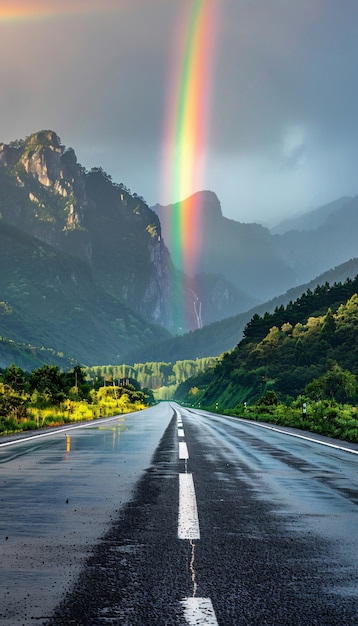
column 48, row 195
column 43, row 192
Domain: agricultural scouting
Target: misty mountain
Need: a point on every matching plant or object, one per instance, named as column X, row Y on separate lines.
column 86, row 272
column 265, row 264
column 212, row 298
column 312, row 252
column 245, row 254
column 312, row 219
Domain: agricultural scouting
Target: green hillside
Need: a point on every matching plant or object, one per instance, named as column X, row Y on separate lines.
column 48, row 299
column 29, row 357
column 308, row 347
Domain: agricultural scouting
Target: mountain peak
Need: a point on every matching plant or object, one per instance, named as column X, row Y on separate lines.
column 45, row 139
column 43, row 157
column 205, row 200
column 210, row 198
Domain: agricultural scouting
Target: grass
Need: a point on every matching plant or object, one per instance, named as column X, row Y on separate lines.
column 332, row 420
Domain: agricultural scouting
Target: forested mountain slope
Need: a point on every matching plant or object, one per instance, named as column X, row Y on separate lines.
column 219, row 337
column 49, row 300
column 290, row 351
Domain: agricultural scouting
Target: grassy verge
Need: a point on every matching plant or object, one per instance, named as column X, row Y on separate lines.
column 67, row 412
column 325, row 418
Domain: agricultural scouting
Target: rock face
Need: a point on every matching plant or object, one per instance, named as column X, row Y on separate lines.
column 48, row 195
column 45, row 192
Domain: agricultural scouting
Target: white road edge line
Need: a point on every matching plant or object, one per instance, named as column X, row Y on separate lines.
column 323, row 443
column 285, row 432
column 199, row 611
column 188, row 520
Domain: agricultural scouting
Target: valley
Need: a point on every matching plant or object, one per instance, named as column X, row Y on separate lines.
column 91, row 278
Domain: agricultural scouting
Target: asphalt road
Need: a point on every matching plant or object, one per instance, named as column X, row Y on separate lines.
column 175, row 516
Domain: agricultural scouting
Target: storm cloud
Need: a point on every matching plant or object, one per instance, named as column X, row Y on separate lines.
column 283, row 110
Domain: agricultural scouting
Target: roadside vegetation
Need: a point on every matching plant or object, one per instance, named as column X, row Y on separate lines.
column 48, row 397
column 324, row 417
column 297, row 366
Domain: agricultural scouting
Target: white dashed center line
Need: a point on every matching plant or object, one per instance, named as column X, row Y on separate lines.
column 199, row 611
column 183, row 450
column 188, row 521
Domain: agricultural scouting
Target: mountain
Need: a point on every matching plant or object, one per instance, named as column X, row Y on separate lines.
column 216, row 298
column 311, row 220
column 245, row 254
column 49, row 299
column 311, row 252
column 222, row 336
column 86, row 272
column 29, row 357
column 48, row 195
column 266, row 263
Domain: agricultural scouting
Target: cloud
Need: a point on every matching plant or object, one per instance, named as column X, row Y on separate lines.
column 284, row 111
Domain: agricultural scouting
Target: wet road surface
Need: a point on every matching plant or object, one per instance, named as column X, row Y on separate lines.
column 58, row 494
column 227, row 523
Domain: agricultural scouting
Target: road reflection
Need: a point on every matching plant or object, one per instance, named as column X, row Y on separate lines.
column 68, row 447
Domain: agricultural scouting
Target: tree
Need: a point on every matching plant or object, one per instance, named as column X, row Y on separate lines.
column 75, row 385
column 328, row 327
column 15, row 378
column 269, row 399
column 12, row 405
column 336, row 384
column 47, row 379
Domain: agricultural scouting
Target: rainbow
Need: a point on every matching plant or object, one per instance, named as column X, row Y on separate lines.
column 185, row 133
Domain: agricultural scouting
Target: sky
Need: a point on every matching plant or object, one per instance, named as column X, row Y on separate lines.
column 280, row 101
